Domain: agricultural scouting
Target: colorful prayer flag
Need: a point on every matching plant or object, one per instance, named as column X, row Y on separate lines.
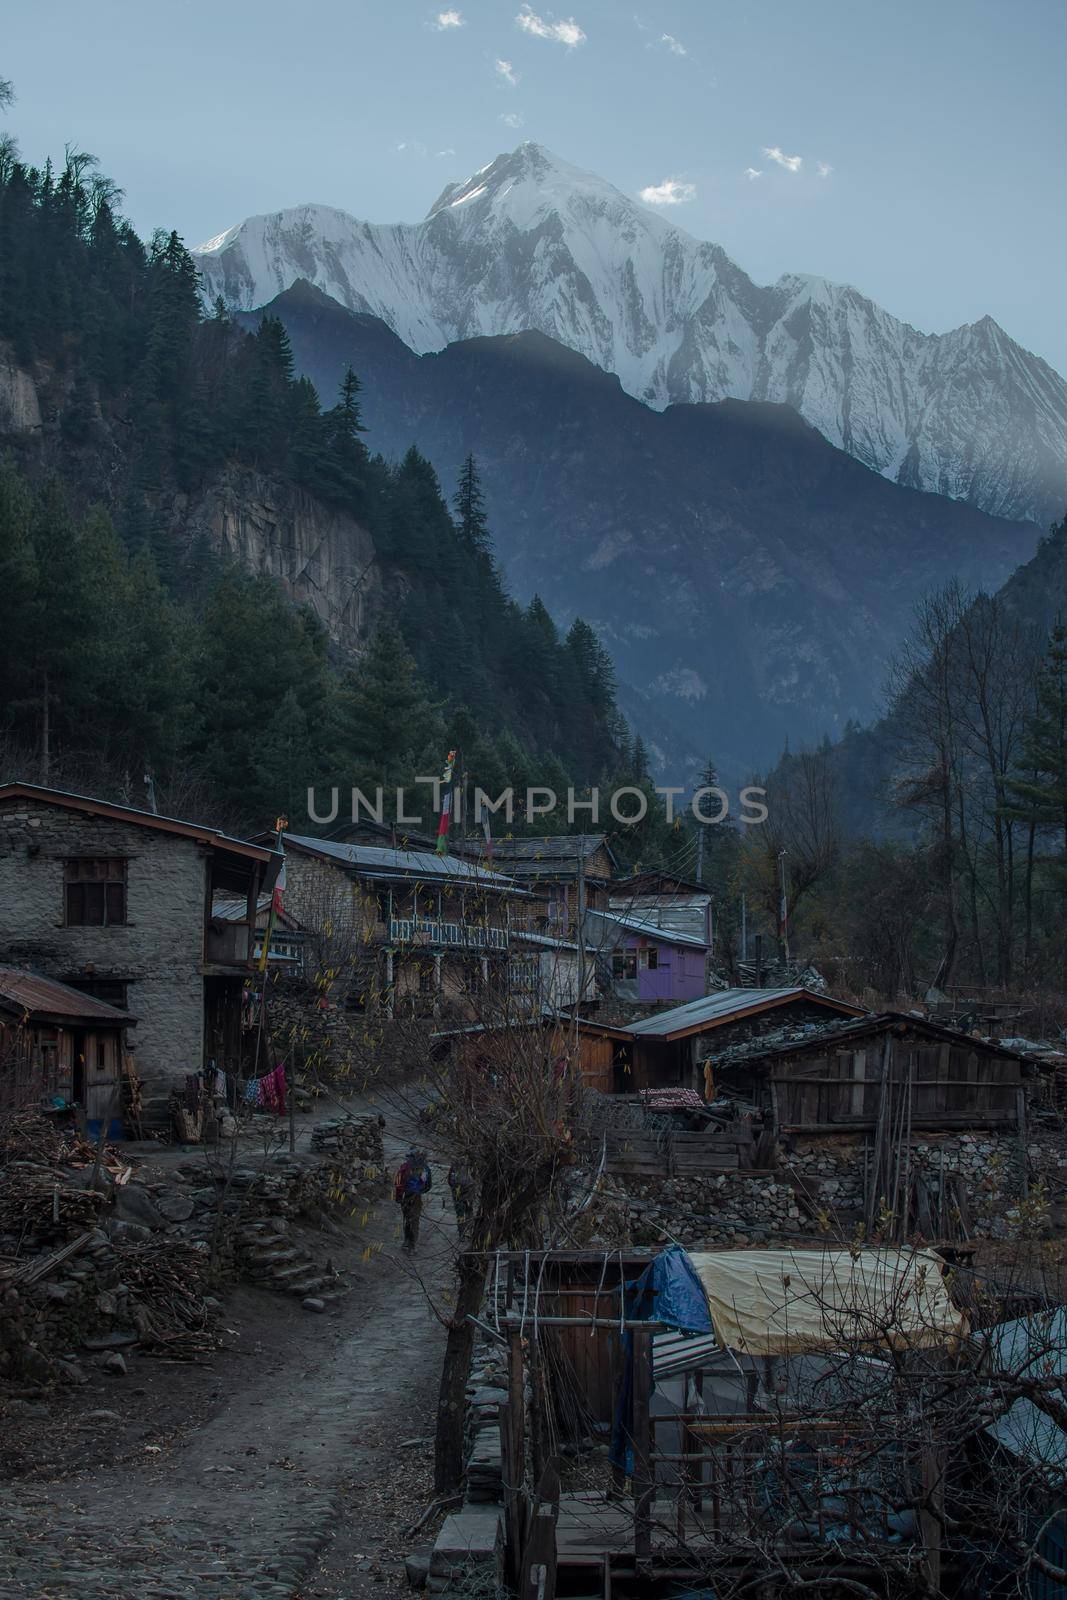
column 446, row 804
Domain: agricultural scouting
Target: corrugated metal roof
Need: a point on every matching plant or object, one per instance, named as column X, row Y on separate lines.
column 38, row 996
column 382, row 862
column 712, row 1008
column 652, row 930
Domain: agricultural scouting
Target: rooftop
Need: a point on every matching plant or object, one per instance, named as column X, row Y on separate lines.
column 200, row 831
column 380, row 861
column 727, row 1005
column 41, row 999
column 647, row 929
column 810, row 1036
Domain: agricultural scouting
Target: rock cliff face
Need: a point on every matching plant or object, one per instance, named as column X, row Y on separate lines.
column 530, row 242
column 20, row 408
column 321, row 557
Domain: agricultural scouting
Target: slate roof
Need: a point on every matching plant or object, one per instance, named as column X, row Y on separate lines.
column 43, row 999
column 553, row 856
column 812, row 1036
column 146, row 819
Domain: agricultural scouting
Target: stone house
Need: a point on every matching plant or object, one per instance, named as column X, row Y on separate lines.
column 406, row 930
column 118, row 903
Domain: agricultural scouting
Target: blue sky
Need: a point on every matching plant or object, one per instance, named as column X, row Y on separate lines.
column 942, row 123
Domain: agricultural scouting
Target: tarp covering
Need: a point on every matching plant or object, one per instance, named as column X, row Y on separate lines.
column 668, row 1291
column 1032, row 1347
column 783, row 1302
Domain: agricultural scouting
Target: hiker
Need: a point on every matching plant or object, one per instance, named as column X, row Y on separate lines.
column 461, row 1184
column 413, row 1180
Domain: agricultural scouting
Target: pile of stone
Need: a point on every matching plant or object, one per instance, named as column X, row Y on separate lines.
column 486, row 1393
column 102, row 1294
column 89, row 1252
column 358, row 1138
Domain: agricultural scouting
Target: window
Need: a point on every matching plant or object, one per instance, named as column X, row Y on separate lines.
column 113, row 991
column 624, row 963
column 95, row 891
column 652, row 957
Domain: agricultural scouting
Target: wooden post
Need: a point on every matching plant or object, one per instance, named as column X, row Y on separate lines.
column 537, row 1574
column 1024, row 1154
column 513, row 1453
column 643, row 1483
column 929, row 1521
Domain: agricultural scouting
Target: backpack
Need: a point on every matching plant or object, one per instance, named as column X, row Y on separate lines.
column 413, row 1180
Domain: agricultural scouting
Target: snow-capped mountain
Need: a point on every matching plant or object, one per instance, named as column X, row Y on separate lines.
column 530, row 242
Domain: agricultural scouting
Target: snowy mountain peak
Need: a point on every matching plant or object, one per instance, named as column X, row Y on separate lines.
column 532, row 242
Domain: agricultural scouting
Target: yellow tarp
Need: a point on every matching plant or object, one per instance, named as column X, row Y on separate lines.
column 782, row 1302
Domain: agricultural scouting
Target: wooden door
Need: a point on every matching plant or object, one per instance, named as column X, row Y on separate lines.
column 101, row 1076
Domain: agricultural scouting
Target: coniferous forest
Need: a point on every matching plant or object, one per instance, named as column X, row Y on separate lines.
column 153, row 656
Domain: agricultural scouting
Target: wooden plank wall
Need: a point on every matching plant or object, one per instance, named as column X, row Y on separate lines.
column 950, row 1085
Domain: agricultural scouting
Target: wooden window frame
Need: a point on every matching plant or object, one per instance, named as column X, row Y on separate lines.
column 82, row 877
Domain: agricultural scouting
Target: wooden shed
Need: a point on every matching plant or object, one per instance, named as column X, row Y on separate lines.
column 853, row 1075
column 59, row 1043
column 669, row 1047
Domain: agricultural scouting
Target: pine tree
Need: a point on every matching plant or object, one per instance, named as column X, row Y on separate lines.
column 344, row 472
column 1041, row 795
column 471, row 519
column 387, row 718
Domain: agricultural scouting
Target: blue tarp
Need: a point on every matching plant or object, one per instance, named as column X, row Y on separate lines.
column 668, row 1292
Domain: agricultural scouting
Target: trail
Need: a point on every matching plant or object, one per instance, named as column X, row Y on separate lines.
column 244, row 1505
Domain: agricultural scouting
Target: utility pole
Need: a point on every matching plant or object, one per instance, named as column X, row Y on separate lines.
column 744, row 929
column 783, row 909
column 581, row 933
column 700, row 852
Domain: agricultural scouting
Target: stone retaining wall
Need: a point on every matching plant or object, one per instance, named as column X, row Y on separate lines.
column 818, row 1189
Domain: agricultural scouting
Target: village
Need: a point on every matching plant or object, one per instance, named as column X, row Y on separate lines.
column 383, row 1210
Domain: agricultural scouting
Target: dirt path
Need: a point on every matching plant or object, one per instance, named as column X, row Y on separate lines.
column 297, row 1483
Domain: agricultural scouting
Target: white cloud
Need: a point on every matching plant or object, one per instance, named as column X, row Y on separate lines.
column 448, row 19
column 824, row 169
column 675, row 46
column 751, row 173
column 564, row 32
column 413, row 147
column 790, row 163
column 448, row 152
column 671, row 192
column 506, row 71
column 512, row 119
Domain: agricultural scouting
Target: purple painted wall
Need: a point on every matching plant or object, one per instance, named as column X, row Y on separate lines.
column 678, row 975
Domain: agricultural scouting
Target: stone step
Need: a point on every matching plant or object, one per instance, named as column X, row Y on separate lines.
column 298, row 1270
column 273, row 1257
column 304, row 1286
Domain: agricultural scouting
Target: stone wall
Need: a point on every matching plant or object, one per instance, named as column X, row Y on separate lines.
column 818, row 1190
column 157, row 952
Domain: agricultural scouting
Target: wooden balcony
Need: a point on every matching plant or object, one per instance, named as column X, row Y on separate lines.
column 430, row 933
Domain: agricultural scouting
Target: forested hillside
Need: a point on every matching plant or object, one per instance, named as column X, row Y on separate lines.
column 150, row 650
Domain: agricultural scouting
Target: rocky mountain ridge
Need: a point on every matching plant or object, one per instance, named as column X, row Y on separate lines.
column 532, row 243
column 749, row 579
